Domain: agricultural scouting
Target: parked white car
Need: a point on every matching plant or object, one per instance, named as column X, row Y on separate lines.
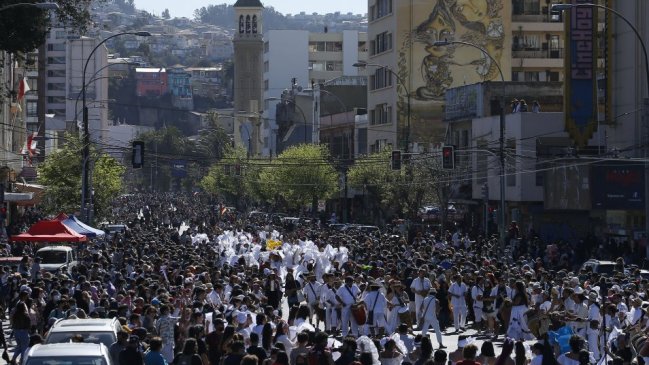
column 68, row 354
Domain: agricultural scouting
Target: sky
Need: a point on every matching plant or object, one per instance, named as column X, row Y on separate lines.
column 180, row 8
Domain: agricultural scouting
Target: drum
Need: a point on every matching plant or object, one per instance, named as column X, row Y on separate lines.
column 404, row 315
column 320, row 312
column 538, row 323
column 360, row 313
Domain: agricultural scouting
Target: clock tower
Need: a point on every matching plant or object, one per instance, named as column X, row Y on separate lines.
column 248, row 73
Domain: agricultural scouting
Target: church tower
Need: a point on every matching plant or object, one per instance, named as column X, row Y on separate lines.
column 248, row 73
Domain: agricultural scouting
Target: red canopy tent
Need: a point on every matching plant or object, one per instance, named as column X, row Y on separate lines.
column 49, row 231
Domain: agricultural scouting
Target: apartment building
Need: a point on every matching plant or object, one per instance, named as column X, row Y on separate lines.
column 63, row 57
column 302, row 59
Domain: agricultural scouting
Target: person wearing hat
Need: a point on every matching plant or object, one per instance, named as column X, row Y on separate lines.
column 420, row 286
column 347, row 295
column 329, row 301
column 578, row 310
column 398, row 304
column 273, row 290
column 312, row 291
column 376, row 304
column 429, row 310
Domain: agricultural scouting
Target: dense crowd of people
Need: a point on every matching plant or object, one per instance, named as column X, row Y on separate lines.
column 194, row 284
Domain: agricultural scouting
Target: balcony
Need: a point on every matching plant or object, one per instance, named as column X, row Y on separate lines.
column 518, row 52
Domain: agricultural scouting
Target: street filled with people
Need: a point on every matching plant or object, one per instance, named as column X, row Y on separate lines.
column 189, row 281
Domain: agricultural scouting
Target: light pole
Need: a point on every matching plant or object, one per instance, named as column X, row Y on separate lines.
column 563, row 7
column 86, row 132
column 363, row 64
column 44, row 6
column 502, row 132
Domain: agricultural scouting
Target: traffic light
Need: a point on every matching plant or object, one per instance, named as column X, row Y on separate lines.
column 448, row 157
column 137, row 159
column 485, row 191
column 396, row 160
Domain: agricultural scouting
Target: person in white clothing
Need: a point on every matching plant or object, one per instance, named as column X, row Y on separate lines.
column 312, row 294
column 420, row 286
column 347, row 295
column 429, row 309
column 376, row 304
column 476, row 293
column 458, row 291
column 330, row 303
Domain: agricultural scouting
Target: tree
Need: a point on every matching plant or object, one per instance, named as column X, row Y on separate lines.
column 165, row 14
column 24, row 28
column 374, row 176
column 226, row 178
column 61, row 173
column 301, row 175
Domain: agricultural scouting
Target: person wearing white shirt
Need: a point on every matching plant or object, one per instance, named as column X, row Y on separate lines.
column 312, row 292
column 420, row 286
column 347, row 295
column 458, row 291
column 330, row 303
column 376, row 304
column 429, row 310
column 476, row 293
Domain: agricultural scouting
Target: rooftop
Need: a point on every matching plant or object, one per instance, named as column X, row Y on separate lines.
column 248, row 4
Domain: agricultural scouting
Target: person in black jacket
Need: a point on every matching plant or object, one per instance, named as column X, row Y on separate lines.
column 131, row 354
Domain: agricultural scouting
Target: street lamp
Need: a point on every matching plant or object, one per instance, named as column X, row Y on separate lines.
column 563, row 7
column 44, row 6
column 502, row 132
column 363, row 64
column 86, row 132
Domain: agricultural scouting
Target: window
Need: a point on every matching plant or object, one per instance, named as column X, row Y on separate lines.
column 31, row 108
column 381, row 78
column 334, row 66
column 381, row 114
column 56, row 86
column 265, row 84
column 362, row 46
column 56, row 60
column 266, row 66
column 56, row 99
column 317, row 65
column 61, row 34
column 56, row 73
column 56, row 47
column 482, row 162
column 382, row 42
column 383, row 8
column 266, row 47
column 334, row 46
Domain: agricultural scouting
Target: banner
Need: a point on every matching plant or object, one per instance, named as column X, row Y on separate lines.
column 580, row 101
column 618, row 186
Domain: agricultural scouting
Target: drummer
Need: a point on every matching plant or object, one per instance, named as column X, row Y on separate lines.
column 398, row 303
column 347, row 295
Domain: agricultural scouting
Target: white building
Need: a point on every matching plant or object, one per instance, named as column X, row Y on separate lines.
column 65, row 57
column 308, row 58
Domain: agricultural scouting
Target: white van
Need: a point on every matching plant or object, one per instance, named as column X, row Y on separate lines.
column 57, row 258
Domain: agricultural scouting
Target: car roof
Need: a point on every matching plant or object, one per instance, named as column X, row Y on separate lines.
column 55, row 248
column 83, row 325
column 67, row 349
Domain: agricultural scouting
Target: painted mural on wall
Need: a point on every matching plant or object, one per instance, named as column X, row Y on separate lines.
column 434, row 69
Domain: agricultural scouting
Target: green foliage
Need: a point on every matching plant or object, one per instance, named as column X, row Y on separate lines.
column 165, row 14
column 221, row 179
column 24, row 28
column 301, row 175
column 61, row 174
column 421, row 179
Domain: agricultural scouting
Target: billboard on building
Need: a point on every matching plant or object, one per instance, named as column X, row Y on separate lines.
column 567, row 188
column 581, row 72
column 618, row 185
column 429, row 70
